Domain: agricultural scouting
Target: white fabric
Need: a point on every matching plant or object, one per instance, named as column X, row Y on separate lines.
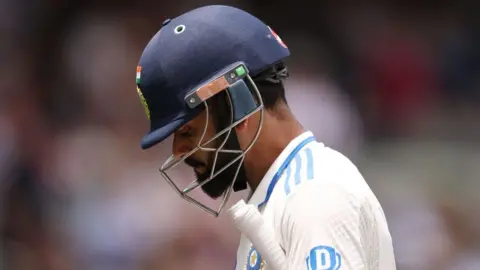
column 324, row 214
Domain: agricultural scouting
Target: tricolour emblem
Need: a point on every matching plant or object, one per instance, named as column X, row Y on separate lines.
column 140, row 94
column 139, row 74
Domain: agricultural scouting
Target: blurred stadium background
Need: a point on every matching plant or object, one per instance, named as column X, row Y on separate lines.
column 395, row 85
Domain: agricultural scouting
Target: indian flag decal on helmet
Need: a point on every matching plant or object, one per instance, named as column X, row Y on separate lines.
column 139, row 71
column 277, row 37
column 140, row 94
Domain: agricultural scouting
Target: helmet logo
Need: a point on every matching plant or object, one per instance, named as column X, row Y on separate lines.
column 140, row 94
column 277, row 37
column 144, row 102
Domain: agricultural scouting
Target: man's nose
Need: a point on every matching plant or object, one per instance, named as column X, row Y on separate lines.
column 180, row 147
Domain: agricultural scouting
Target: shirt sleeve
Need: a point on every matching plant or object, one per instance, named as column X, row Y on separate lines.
column 323, row 227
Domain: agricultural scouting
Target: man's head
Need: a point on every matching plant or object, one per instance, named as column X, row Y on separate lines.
column 213, row 121
column 207, row 77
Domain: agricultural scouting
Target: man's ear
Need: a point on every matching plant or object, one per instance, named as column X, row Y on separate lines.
column 242, row 125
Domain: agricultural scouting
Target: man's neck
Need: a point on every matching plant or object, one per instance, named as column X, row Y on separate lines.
column 273, row 139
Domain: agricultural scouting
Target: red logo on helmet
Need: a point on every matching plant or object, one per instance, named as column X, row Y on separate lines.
column 277, row 37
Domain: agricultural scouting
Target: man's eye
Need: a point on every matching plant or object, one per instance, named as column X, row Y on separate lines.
column 185, row 133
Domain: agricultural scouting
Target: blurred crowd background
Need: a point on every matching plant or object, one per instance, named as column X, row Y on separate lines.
column 394, row 85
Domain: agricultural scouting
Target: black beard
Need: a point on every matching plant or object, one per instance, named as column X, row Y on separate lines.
column 217, row 186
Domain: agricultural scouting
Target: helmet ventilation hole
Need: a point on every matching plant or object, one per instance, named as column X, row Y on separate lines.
column 179, row 29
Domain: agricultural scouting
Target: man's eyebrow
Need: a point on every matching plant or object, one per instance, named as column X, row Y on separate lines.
column 182, row 128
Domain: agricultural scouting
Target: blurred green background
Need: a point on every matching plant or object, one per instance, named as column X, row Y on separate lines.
column 394, row 85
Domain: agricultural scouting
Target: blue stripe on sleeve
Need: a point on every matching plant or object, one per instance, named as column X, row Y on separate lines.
column 298, row 169
column 287, row 179
column 309, row 153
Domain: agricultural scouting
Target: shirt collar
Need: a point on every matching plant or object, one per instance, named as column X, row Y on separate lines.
column 258, row 196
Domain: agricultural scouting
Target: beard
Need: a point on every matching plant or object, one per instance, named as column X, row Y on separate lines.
column 223, row 181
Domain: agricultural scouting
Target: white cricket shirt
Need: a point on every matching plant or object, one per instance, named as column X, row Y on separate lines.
column 324, row 214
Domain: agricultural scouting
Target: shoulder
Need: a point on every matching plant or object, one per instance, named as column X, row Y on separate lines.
column 317, row 166
column 314, row 174
column 320, row 178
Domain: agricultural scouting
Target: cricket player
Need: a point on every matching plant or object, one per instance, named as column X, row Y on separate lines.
column 212, row 78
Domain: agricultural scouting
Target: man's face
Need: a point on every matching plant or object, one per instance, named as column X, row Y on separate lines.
column 187, row 138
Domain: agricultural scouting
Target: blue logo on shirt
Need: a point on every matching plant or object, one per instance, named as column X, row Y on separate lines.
column 323, row 258
column 254, row 261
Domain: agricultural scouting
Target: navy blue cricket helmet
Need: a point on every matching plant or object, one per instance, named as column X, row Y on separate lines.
column 191, row 48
